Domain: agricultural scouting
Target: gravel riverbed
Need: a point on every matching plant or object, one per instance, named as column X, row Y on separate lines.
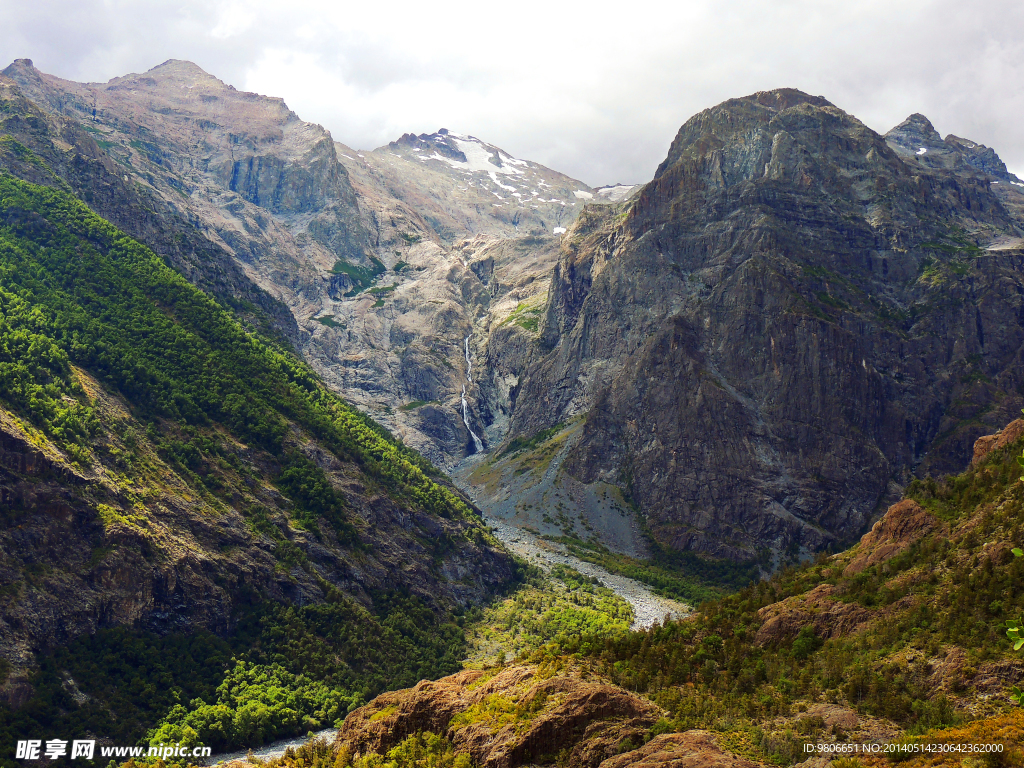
column 648, row 607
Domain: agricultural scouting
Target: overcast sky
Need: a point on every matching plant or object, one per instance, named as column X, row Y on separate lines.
column 595, row 90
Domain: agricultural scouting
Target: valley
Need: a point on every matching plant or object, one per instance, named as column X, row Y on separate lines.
column 449, row 459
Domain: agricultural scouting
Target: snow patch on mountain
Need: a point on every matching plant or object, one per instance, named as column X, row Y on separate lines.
column 615, row 192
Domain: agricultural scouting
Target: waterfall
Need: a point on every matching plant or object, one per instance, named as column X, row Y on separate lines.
column 465, row 419
column 465, row 407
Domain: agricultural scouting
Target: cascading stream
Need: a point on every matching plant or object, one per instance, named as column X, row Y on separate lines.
column 465, row 419
column 465, row 406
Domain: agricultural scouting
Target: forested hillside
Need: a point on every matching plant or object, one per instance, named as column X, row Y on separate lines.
column 166, row 471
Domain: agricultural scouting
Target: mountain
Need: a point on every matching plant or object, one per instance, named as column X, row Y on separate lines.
column 792, row 320
column 754, row 351
column 789, row 276
column 179, row 490
column 370, row 251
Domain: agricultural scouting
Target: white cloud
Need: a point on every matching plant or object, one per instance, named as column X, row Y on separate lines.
column 594, row 90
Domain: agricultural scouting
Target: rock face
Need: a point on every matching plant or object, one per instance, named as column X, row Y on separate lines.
column 789, row 320
column 985, row 444
column 902, row 525
column 766, row 341
column 140, row 210
column 462, row 186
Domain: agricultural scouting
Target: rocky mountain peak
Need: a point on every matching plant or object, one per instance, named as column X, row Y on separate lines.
column 439, row 142
column 915, row 136
column 980, row 157
column 21, row 65
column 771, row 137
column 745, row 133
column 180, row 66
column 28, row 78
column 916, row 139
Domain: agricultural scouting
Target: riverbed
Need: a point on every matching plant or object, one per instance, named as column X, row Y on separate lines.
column 648, row 608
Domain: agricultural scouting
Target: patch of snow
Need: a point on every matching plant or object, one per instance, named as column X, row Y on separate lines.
column 494, row 178
column 922, row 150
column 348, row 156
column 559, row 230
column 617, row 192
column 478, row 158
column 1017, row 184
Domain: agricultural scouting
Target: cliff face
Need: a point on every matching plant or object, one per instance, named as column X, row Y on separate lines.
column 782, row 326
column 63, row 152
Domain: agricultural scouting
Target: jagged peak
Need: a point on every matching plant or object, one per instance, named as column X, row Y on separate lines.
column 737, row 115
column 980, row 157
column 21, row 64
column 917, row 125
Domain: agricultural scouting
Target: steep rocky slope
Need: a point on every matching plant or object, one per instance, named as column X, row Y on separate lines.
column 791, row 319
